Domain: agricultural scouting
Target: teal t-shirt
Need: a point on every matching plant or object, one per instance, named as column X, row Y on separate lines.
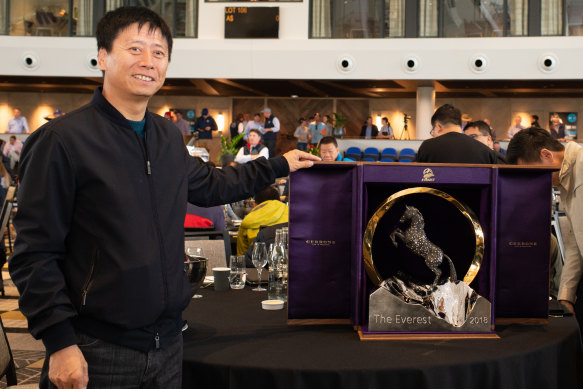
column 138, row 127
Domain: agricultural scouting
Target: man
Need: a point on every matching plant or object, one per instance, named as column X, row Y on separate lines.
column 182, row 124
column 98, row 258
column 449, row 145
column 535, row 146
column 480, row 131
column 512, row 130
column 12, row 151
column 270, row 130
column 534, row 121
column 268, row 211
column 255, row 124
column 329, row 150
column 369, row 130
column 17, row 124
column 253, row 149
column 317, row 129
column 205, row 125
column 557, row 128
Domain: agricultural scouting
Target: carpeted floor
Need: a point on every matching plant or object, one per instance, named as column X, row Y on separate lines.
column 28, row 353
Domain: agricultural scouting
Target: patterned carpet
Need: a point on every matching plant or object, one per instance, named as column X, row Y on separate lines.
column 28, row 353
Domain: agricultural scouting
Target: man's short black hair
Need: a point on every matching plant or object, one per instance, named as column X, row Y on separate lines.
column 269, row 193
column 481, row 125
column 255, row 130
column 328, row 140
column 525, row 145
column 535, row 117
column 447, row 114
column 113, row 22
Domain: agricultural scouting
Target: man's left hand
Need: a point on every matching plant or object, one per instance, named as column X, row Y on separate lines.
column 297, row 160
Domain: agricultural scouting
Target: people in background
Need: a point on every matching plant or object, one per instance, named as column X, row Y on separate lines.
column 512, row 130
column 317, row 130
column 12, row 150
column 480, row 131
column 450, row 145
column 253, row 149
column 535, row 146
column 256, row 124
column 99, row 252
column 557, row 127
column 534, row 121
column 329, row 150
column 17, row 124
column 498, row 148
column 182, row 124
column 301, row 134
column 465, row 120
column 386, row 131
column 328, row 123
column 369, row 130
column 270, row 129
column 238, row 127
column 268, row 211
column 205, row 125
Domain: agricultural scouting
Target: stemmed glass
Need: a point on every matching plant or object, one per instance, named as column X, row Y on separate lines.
column 195, row 273
column 259, row 258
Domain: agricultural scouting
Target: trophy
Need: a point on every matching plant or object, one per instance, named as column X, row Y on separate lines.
column 421, row 239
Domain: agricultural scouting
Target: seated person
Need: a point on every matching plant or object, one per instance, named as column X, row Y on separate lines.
column 449, row 145
column 253, row 149
column 267, row 212
column 216, row 215
column 329, row 150
column 480, row 131
column 267, row 235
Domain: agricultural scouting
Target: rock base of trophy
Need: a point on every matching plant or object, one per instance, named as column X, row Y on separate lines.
column 452, row 307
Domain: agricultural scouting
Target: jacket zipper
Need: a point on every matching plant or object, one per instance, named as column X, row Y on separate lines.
column 146, row 151
column 89, row 280
column 157, row 341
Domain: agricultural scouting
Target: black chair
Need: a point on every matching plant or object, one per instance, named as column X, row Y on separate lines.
column 4, row 221
column 7, row 366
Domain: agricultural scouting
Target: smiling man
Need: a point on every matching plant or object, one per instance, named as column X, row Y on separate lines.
column 99, row 254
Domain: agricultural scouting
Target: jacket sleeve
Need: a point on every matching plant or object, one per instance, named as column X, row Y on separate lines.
column 45, row 207
column 209, row 186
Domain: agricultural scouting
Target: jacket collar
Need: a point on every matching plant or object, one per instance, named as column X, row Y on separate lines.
column 114, row 115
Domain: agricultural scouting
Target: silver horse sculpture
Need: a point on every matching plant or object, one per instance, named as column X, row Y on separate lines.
column 415, row 240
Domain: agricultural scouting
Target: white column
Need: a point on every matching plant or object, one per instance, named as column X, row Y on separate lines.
column 425, row 107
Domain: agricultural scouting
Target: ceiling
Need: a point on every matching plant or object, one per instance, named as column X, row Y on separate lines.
column 314, row 88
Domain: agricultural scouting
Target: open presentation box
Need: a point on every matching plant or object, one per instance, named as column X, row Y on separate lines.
column 331, row 204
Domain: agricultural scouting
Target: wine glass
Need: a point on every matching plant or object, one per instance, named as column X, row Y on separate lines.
column 259, row 259
column 195, row 268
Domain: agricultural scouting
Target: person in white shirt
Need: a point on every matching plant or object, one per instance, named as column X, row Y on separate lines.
column 18, row 124
column 255, row 124
column 253, row 149
column 12, row 150
column 512, row 130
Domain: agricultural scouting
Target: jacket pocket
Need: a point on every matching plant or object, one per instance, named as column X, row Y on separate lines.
column 90, row 277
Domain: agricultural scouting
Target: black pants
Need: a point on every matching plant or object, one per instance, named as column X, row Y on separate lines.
column 270, row 144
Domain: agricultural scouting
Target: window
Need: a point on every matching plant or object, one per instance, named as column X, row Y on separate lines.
column 39, row 17
column 354, row 19
column 575, row 17
column 472, row 18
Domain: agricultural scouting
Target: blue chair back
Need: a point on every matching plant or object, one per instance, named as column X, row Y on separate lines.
column 405, row 160
column 369, row 159
column 353, row 150
column 387, row 160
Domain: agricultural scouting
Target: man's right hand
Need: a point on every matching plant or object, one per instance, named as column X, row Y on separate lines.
column 68, row 368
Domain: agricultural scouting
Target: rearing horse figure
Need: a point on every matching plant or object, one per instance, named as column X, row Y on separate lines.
column 415, row 240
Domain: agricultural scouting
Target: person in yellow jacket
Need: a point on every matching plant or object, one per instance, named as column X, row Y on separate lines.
column 268, row 211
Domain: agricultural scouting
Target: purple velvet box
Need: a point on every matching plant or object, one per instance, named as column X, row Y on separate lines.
column 331, row 203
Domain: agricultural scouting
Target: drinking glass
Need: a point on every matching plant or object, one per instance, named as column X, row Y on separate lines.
column 195, row 268
column 259, row 259
column 238, row 273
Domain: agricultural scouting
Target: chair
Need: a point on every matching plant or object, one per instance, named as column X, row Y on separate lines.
column 369, row 159
column 353, row 153
column 7, row 366
column 371, row 153
column 4, row 220
column 217, row 251
column 405, row 160
column 387, row 160
column 389, row 153
column 407, row 153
